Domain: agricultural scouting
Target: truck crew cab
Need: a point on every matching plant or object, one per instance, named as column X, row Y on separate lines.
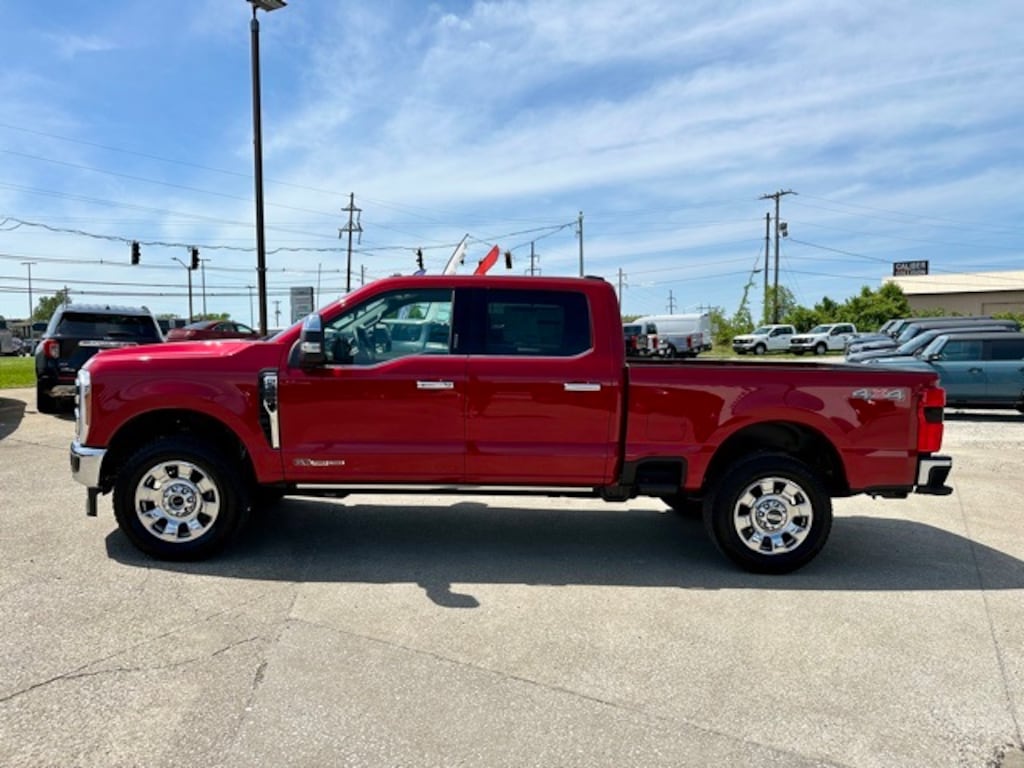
column 473, row 384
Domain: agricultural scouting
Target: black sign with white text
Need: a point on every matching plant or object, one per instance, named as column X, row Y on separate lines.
column 900, row 268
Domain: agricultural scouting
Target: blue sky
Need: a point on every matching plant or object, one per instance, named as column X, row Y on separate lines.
column 897, row 125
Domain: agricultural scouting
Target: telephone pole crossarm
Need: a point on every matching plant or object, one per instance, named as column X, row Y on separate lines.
column 353, row 225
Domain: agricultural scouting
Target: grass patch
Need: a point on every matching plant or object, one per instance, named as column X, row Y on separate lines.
column 17, row 372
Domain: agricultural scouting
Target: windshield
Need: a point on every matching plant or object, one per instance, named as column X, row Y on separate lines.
column 764, row 330
column 820, row 329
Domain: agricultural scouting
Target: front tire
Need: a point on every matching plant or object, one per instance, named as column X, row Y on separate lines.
column 769, row 514
column 760, row 349
column 178, row 499
column 820, row 349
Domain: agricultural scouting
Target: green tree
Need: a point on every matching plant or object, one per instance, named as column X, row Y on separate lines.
column 870, row 308
column 48, row 305
column 786, row 302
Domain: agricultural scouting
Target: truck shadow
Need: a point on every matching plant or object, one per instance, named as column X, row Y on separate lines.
column 474, row 543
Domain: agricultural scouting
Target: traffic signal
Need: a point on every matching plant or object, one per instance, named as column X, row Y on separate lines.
column 508, row 259
column 136, row 252
column 419, row 258
column 195, row 257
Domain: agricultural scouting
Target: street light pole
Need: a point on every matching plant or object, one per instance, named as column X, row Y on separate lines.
column 202, row 271
column 257, row 140
column 31, row 306
column 188, row 269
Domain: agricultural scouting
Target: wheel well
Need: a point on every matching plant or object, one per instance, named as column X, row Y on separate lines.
column 796, row 440
column 157, row 424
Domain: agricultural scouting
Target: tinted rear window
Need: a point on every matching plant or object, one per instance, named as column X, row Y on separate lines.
column 85, row 325
column 549, row 323
column 1008, row 349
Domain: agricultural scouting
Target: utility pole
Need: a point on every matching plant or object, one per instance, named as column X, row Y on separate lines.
column 534, row 269
column 579, row 231
column 188, row 271
column 251, row 321
column 622, row 284
column 776, row 196
column 671, row 303
column 277, row 312
column 767, row 252
column 352, row 226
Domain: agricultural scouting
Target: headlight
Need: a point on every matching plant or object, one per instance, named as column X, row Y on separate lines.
column 83, row 405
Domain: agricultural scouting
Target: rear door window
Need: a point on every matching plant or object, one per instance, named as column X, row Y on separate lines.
column 541, row 323
column 1006, row 349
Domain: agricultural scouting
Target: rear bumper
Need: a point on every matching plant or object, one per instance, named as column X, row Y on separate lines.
column 932, row 473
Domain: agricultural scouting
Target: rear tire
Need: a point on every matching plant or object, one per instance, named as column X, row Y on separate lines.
column 769, row 514
column 44, row 402
column 177, row 499
column 684, row 505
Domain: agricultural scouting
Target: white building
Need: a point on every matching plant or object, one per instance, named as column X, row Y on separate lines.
column 968, row 293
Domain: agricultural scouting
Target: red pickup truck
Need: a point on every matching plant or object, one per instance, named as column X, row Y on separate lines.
column 493, row 385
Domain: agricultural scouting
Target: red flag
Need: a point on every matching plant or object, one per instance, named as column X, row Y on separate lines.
column 487, row 261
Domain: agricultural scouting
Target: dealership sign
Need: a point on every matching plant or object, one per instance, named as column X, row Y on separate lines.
column 903, row 268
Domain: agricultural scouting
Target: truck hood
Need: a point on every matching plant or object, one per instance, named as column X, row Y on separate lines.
column 183, row 354
column 747, row 337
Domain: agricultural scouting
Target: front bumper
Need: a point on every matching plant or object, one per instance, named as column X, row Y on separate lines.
column 86, row 464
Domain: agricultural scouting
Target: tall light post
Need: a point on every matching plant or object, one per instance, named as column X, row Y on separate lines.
column 257, row 141
column 202, row 271
column 31, row 306
column 189, row 270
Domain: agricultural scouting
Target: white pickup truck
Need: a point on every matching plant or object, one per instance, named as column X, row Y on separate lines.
column 766, row 338
column 831, row 337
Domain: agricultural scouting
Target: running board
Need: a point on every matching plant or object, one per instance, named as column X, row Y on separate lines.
column 323, row 489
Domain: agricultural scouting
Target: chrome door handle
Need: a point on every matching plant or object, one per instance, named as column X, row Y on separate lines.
column 581, row 386
column 435, row 385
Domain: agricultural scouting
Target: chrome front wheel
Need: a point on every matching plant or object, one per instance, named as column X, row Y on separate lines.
column 178, row 499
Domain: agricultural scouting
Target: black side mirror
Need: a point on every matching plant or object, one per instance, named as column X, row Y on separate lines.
column 311, row 343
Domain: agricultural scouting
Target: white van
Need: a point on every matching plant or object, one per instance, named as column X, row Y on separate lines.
column 8, row 344
column 679, row 335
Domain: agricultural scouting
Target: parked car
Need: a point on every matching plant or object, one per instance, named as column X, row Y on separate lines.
column 911, row 330
column 922, row 340
column 75, row 333
column 831, row 337
column 983, row 369
column 766, row 338
column 908, row 328
column 212, row 329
